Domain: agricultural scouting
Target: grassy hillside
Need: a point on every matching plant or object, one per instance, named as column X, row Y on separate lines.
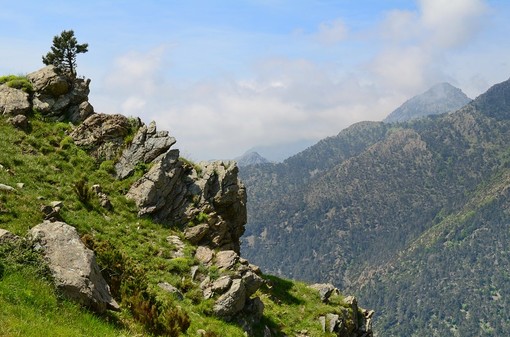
column 44, row 165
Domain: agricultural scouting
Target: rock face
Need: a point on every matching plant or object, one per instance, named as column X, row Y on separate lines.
column 73, row 266
column 147, row 145
column 13, row 101
column 207, row 194
column 239, row 281
column 57, row 97
column 103, row 135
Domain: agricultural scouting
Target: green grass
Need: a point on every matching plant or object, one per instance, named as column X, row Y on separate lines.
column 133, row 252
column 291, row 306
column 17, row 82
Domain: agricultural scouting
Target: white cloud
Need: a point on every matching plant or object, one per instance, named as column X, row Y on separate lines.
column 453, row 22
column 284, row 99
column 331, row 32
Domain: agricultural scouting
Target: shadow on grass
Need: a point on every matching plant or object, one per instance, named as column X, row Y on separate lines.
column 279, row 290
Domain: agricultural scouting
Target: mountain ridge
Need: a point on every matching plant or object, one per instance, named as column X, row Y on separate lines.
column 440, row 98
column 358, row 216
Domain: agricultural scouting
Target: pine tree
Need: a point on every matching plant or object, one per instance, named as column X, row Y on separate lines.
column 63, row 52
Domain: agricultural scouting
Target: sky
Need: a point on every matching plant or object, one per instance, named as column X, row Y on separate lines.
column 224, row 77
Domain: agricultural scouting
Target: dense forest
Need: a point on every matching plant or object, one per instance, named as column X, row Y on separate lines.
column 410, row 215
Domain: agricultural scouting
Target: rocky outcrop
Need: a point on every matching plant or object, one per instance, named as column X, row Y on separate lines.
column 55, row 96
column 325, row 290
column 208, row 195
column 14, row 101
column 73, row 266
column 102, row 135
column 58, row 97
column 238, row 282
column 146, row 146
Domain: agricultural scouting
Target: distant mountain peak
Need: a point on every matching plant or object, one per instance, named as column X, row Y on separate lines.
column 250, row 158
column 441, row 98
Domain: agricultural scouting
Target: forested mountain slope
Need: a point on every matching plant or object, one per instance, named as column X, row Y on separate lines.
column 364, row 205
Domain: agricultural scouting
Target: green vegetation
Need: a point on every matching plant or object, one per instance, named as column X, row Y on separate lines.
column 17, row 82
column 63, row 52
column 414, row 216
column 133, row 253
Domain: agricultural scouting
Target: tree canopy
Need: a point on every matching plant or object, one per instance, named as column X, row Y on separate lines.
column 63, row 52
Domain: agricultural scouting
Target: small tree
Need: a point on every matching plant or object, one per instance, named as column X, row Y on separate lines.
column 63, row 52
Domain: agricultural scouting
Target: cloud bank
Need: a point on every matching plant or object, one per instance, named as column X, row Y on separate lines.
column 284, row 99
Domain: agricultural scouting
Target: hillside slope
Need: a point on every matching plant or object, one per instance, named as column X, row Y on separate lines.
column 164, row 231
column 361, row 213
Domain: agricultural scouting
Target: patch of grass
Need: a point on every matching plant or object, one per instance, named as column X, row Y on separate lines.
column 17, row 82
column 292, row 306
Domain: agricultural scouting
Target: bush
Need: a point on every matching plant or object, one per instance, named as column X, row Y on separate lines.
column 83, row 191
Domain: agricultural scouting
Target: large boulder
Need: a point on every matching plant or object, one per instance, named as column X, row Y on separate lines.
column 73, row 265
column 231, row 302
column 14, row 101
column 146, row 146
column 47, row 81
column 59, row 97
column 102, row 134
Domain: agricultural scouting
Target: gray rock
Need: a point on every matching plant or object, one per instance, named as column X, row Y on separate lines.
column 231, row 302
column 51, row 213
column 6, row 236
column 147, row 145
column 161, row 191
column 252, row 282
column 175, row 241
column 255, row 308
column 226, row 259
column 59, row 97
column 103, row 135
column 13, row 101
column 204, row 254
column 333, row 321
column 171, row 289
column 7, row 188
column 73, row 266
column 196, row 233
column 175, row 191
column 325, row 290
column 322, row 321
column 47, row 81
column 221, row 285
column 19, row 121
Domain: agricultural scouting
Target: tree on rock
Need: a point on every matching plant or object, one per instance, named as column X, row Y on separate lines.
column 63, row 52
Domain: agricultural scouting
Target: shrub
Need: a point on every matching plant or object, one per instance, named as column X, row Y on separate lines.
column 83, row 191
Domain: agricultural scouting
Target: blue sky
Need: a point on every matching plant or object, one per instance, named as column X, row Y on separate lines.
column 227, row 76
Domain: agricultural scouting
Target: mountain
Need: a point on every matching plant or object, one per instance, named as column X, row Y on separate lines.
column 250, row 158
column 105, row 230
column 412, row 217
column 441, row 98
